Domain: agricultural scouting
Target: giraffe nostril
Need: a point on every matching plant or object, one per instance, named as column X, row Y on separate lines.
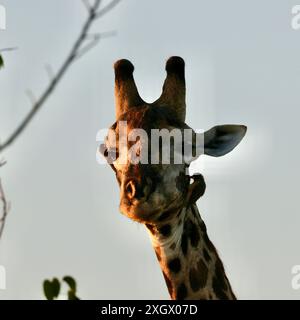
column 130, row 189
column 134, row 189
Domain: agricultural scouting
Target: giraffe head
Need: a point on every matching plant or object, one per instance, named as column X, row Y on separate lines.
column 150, row 147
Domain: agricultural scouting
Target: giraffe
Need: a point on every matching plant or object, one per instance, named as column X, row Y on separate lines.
column 163, row 196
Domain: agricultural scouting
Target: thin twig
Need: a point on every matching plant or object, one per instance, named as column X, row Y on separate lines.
column 5, row 209
column 8, row 49
column 88, row 47
column 2, row 163
column 94, row 40
column 87, row 4
column 93, row 14
column 107, row 8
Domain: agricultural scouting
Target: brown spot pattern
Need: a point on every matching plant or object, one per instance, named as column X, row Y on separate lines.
column 181, row 292
column 184, row 244
column 220, row 272
column 191, row 230
column 173, row 246
column 165, row 230
column 174, row 265
column 206, row 255
column 198, row 276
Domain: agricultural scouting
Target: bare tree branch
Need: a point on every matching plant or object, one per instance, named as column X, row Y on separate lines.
column 77, row 51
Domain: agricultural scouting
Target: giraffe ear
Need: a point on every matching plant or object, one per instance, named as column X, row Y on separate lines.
column 220, row 140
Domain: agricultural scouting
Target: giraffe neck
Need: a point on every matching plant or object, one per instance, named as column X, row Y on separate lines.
column 189, row 261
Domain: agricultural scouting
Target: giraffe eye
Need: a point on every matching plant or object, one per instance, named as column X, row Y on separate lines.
column 103, row 150
column 112, row 154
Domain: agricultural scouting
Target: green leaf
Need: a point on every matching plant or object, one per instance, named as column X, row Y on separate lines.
column 51, row 288
column 72, row 295
column 1, row 62
column 55, row 287
column 71, row 283
column 48, row 290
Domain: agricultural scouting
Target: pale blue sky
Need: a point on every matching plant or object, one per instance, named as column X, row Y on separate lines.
column 242, row 66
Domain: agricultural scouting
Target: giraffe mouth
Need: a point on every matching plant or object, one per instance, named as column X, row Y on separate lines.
column 147, row 210
column 135, row 209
